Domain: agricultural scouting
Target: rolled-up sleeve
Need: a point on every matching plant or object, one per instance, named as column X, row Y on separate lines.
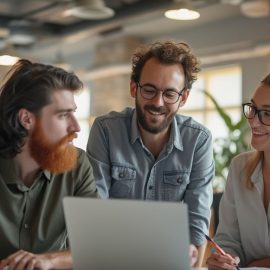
column 199, row 194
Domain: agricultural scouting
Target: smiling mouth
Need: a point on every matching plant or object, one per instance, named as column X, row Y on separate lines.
column 258, row 133
column 155, row 111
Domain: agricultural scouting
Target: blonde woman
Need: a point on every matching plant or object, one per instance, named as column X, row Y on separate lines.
column 244, row 228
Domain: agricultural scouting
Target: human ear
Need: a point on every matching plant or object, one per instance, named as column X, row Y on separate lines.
column 133, row 88
column 184, row 97
column 26, row 118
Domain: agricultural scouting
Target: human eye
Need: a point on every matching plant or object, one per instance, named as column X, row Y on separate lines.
column 171, row 94
column 265, row 114
column 63, row 115
column 265, row 117
column 149, row 89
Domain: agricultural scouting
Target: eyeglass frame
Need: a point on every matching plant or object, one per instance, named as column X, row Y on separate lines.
column 256, row 112
column 159, row 90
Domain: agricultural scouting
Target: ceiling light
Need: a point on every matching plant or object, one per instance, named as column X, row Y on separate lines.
column 8, row 56
column 90, row 10
column 182, row 10
column 8, row 60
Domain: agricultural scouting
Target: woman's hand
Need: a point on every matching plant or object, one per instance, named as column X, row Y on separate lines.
column 217, row 261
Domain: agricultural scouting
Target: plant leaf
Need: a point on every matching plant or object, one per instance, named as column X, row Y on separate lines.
column 222, row 113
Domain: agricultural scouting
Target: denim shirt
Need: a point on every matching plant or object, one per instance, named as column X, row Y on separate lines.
column 124, row 168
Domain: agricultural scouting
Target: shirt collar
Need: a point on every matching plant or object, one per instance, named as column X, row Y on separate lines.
column 48, row 175
column 175, row 136
column 257, row 173
column 8, row 171
column 135, row 133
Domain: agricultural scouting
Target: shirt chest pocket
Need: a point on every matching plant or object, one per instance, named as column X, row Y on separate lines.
column 174, row 185
column 123, row 181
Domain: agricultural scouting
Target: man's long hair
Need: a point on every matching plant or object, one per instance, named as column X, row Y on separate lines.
column 169, row 53
column 29, row 86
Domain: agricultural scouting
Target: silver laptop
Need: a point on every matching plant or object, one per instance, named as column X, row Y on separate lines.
column 127, row 234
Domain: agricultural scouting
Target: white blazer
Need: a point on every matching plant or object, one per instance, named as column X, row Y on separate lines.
column 243, row 222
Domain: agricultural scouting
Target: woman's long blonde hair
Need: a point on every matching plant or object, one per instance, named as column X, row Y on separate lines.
column 257, row 156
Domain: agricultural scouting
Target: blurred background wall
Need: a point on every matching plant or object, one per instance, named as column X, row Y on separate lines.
column 95, row 39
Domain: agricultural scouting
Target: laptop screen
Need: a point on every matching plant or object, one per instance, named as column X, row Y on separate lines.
column 127, row 234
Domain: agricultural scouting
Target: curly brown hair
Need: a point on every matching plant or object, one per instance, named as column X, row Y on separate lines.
column 167, row 52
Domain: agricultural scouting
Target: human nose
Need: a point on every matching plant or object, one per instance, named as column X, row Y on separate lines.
column 158, row 99
column 74, row 124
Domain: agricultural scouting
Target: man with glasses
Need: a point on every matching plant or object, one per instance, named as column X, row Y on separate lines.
column 151, row 152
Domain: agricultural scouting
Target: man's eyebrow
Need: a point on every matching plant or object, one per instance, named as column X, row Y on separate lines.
column 149, row 84
column 152, row 85
column 66, row 110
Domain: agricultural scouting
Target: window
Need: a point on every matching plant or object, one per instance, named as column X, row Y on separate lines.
column 225, row 85
column 82, row 100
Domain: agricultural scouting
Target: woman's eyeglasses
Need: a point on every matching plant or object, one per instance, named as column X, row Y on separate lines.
column 250, row 112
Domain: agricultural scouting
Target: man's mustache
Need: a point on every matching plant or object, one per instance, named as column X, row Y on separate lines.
column 155, row 109
column 68, row 138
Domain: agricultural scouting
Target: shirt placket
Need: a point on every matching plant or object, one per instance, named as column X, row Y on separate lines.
column 25, row 230
column 153, row 178
column 150, row 185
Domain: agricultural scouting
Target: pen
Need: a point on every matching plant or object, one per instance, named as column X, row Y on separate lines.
column 217, row 247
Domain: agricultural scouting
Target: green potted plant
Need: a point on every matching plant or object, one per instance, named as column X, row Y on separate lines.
column 225, row 149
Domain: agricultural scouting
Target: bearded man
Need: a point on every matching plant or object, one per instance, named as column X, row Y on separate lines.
column 151, row 152
column 39, row 165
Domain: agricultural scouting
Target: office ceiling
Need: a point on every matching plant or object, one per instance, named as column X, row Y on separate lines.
column 51, row 17
column 44, row 18
column 49, row 23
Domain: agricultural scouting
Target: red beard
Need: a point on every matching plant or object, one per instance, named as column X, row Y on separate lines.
column 57, row 157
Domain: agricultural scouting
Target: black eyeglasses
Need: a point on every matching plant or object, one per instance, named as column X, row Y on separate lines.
column 250, row 112
column 169, row 96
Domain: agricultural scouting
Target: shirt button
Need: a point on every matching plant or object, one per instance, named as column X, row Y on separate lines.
column 26, row 226
column 179, row 180
column 121, row 175
column 151, row 187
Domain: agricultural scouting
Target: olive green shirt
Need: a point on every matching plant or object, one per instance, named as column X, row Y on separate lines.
column 32, row 218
